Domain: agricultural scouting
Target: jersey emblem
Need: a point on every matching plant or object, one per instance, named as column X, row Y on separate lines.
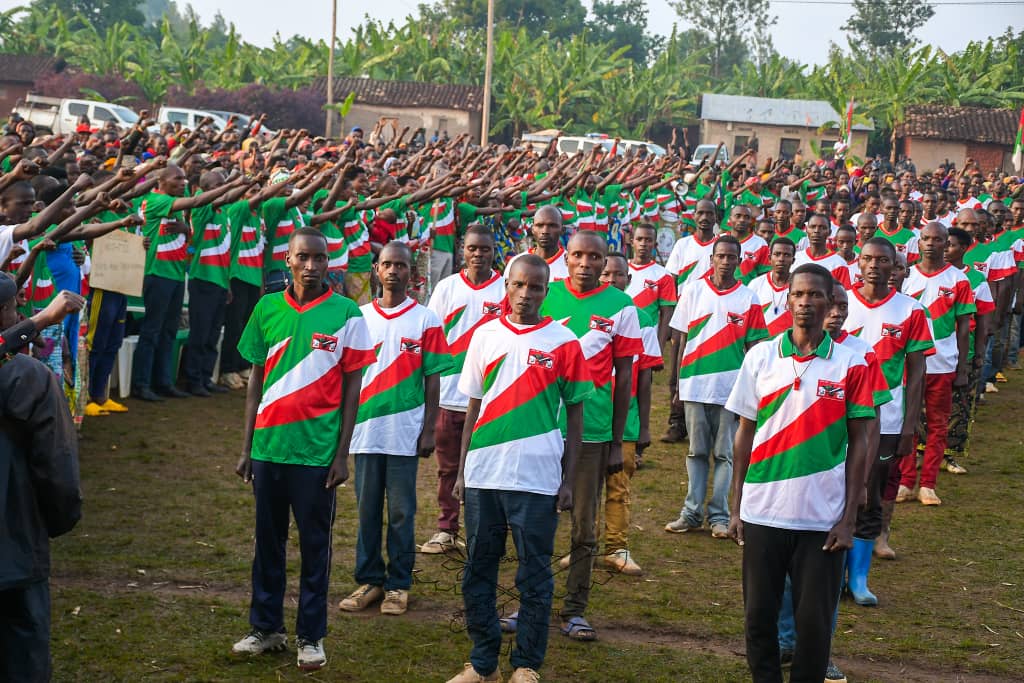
column 324, row 342
column 832, row 390
column 541, row 358
column 601, row 324
column 411, row 345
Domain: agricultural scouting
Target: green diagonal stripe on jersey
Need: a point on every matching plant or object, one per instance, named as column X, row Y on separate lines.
column 793, row 462
column 403, row 396
column 530, row 418
column 725, row 359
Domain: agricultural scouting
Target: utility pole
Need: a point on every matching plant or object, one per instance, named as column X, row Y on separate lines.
column 485, row 124
column 329, row 126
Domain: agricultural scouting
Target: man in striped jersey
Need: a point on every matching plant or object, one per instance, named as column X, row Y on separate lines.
column 818, row 251
column 606, row 323
column 772, row 288
column 896, row 326
column 463, row 301
column 690, row 259
column 308, row 347
column 804, row 402
column 716, row 321
column 516, row 472
column 947, row 296
column 394, row 425
column 651, row 285
column 547, row 241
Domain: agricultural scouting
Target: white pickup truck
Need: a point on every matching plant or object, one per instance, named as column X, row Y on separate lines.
column 60, row 116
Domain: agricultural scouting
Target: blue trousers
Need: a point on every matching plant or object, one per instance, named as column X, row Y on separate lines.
column 107, row 314
column 392, row 477
column 533, row 519
column 206, row 302
column 152, row 363
column 300, row 489
column 25, row 633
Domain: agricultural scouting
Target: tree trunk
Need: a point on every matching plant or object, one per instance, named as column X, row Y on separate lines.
column 892, row 146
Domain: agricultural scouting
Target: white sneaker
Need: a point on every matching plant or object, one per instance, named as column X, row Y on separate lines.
column 441, row 542
column 258, row 642
column 310, row 655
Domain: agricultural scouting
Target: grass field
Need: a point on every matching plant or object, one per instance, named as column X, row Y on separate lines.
column 153, row 584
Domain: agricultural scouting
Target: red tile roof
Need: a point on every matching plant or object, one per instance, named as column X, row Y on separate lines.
column 26, row 68
column 406, row 94
column 970, row 124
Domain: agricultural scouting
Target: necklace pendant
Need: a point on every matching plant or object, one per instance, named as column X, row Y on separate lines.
column 796, row 384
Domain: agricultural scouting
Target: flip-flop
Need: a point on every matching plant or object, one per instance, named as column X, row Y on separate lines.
column 577, row 628
column 509, row 623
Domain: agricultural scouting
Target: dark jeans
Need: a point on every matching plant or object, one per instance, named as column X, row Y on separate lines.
column 25, row 633
column 533, row 519
column 447, row 448
column 278, row 489
column 392, row 477
column 206, row 303
column 591, row 470
column 869, row 517
column 107, row 314
column 768, row 555
column 152, row 363
column 236, row 314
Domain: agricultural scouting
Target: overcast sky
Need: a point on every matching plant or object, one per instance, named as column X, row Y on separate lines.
column 803, row 31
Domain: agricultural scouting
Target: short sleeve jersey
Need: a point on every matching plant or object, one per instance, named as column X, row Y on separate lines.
column 521, row 374
column 983, row 301
column 168, row 254
column 894, row 327
column 463, row 307
column 798, row 236
column 280, row 222
column 211, row 242
column 773, row 299
column 946, row 295
column 606, row 323
column 754, row 258
column 304, row 351
column 800, row 404
column 879, row 387
column 904, row 240
column 409, row 345
column 832, row 262
column 442, row 224
column 247, row 243
column 650, row 358
column 718, row 326
column 690, row 259
column 652, row 287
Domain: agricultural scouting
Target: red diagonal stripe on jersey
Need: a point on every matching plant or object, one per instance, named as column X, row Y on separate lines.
column 460, row 345
column 646, row 297
column 780, row 324
column 274, row 357
column 726, row 336
column 940, row 307
column 434, row 341
column 305, row 403
column 533, row 382
column 770, row 398
column 815, row 419
column 400, row 369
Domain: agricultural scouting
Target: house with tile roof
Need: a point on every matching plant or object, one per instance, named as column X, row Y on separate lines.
column 935, row 133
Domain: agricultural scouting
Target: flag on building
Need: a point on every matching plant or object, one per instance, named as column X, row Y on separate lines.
column 1018, row 146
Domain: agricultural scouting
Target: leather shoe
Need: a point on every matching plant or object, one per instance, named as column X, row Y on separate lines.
column 172, row 392
column 199, row 391
column 216, row 388
column 146, row 394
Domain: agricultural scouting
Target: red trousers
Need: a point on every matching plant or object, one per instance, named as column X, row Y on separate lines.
column 938, row 404
column 447, row 450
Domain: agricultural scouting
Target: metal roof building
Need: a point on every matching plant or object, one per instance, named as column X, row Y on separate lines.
column 770, row 112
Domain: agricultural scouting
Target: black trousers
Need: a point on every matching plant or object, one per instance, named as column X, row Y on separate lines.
column 243, row 299
column 206, row 302
column 25, row 633
column 869, row 517
column 768, row 555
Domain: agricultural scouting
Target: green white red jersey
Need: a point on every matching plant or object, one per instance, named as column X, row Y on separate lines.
column 946, row 295
column 462, row 308
column 522, row 374
column 831, row 261
column 168, row 255
column 305, row 352
column 894, row 326
column 904, row 240
column 755, row 258
column 651, row 287
column 211, row 244
column 773, row 298
column 983, row 301
column 409, row 344
column 690, row 259
column 441, row 223
column 606, row 323
column 247, row 243
column 557, row 268
column 879, row 387
column 800, row 404
column 719, row 325
column 280, row 222
column 798, row 237
column 649, row 359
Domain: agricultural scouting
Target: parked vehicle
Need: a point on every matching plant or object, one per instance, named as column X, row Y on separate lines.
column 570, row 144
column 189, row 118
column 56, row 116
column 707, row 150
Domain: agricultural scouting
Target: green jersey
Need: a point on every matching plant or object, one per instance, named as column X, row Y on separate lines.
column 168, row 254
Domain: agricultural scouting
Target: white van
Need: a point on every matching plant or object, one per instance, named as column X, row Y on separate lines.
column 188, row 118
column 58, row 116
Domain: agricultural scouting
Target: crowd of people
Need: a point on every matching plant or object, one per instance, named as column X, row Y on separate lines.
column 830, row 331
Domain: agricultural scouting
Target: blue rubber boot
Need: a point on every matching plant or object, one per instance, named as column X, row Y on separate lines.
column 859, row 560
